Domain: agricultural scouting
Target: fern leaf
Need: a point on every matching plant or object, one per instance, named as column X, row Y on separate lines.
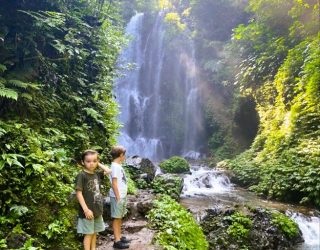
column 8, row 93
column 22, row 85
column 17, row 83
column 3, row 68
column 76, row 98
column 93, row 113
column 26, row 96
column 2, row 81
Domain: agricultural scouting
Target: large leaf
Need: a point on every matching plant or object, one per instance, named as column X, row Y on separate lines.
column 23, row 85
column 3, row 68
column 8, row 93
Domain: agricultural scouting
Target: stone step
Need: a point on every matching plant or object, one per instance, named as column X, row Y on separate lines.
column 140, row 240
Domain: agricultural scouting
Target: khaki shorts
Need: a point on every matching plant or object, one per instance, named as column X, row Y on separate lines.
column 118, row 209
column 86, row 226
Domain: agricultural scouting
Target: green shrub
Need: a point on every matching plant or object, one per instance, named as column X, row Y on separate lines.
column 283, row 79
column 175, row 164
column 56, row 100
column 132, row 189
column 168, row 184
column 285, row 224
column 240, row 226
column 142, row 184
column 245, row 169
column 177, row 229
column 37, row 179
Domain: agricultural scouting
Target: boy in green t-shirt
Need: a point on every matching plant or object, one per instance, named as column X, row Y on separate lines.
column 90, row 220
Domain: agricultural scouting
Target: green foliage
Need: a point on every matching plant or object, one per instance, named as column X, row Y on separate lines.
column 264, row 42
column 280, row 69
column 286, row 151
column 246, row 171
column 132, row 189
column 8, row 93
column 240, row 226
column 211, row 23
column 175, row 164
column 142, row 184
column 168, row 184
column 177, row 229
column 3, row 244
column 37, row 178
column 227, row 150
column 174, row 18
column 285, row 224
column 57, row 63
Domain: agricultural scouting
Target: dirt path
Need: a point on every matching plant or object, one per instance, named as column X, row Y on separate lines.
column 136, row 231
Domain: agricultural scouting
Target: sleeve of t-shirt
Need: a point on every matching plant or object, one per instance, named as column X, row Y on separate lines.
column 79, row 182
column 116, row 172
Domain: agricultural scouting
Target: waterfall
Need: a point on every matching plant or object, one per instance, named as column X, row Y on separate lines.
column 131, row 98
column 310, row 228
column 158, row 96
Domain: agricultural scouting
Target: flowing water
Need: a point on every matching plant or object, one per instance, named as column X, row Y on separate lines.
column 208, row 188
column 158, row 94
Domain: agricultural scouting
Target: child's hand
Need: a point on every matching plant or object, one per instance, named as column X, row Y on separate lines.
column 89, row 215
column 105, row 169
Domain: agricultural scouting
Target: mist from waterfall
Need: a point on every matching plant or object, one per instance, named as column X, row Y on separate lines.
column 158, row 96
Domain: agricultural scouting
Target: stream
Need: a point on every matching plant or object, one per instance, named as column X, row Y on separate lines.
column 208, row 188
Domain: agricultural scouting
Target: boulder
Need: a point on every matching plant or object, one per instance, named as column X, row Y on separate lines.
column 137, row 205
column 16, row 240
column 141, row 168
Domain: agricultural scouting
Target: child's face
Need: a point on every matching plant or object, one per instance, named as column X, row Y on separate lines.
column 91, row 162
column 122, row 157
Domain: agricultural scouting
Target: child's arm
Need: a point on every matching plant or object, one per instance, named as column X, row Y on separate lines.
column 105, row 169
column 87, row 212
column 114, row 185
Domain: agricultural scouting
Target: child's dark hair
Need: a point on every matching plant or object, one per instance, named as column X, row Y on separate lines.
column 88, row 152
column 116, row 151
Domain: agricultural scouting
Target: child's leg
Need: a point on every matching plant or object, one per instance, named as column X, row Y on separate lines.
column 87, row 241
column 93, row 241
column 116, row 224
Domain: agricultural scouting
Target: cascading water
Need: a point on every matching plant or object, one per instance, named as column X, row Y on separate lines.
column 158, row 98
column 205, row 181
column 310, row 228
column 208, row 188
